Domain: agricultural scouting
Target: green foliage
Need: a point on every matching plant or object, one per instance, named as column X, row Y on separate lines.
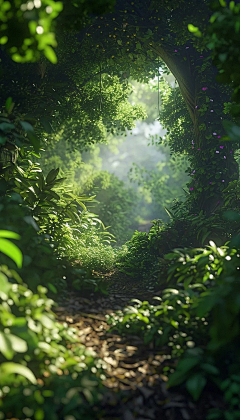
column 115, row 204
column 42, row 362
column 89, row 245
column 135, row 258
column 14, row 134
column 84, row 279
column 80, row 105
column 223, row 40
column 83, row 103
column 166, row 183
column 99, row 258
column 167, row 322
column 39, row 266
column 143, row 255
column 198, row 320
column 10, row 249
column 35, row 24
column 175, row 118
column 217, row 268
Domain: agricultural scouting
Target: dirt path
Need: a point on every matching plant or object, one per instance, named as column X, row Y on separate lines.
column 135, row 382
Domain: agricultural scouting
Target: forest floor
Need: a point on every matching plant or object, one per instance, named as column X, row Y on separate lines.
column 135, row 384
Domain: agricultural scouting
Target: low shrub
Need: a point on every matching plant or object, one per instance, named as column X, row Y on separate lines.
column 45, row 373
column 135, row 258
column 99, row 258
column 198, row 321
column 89, row 244
column 40, row 264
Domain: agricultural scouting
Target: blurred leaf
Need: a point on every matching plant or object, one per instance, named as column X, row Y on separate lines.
column 232, row 130
column 46, row 125
column 10, row 367
column 6, row 346
column 18, row 344
column 9, row 234
column 6, row 127
column 31, row 135
column 52, row 288
column 30, row 220
column 47, row 322
column 9, row 105
column 231, row 215
column 195, row 385
column 50, row 54
column 12, row 251
column 52, row 175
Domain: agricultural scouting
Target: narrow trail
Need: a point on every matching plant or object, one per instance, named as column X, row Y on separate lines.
column 135, row 385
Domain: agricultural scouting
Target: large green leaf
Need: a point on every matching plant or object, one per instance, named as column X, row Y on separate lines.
column 9, row 234
column 10, row 367
column 12, row 251
column 52, row 175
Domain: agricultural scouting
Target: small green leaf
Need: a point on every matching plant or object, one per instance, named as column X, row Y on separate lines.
column 5, row 286
column 52, row 287
column 54, row 195
column 6, row 346
column 232, row 130
column 30, row 220
column 50, row 54
column 9, row 104
column 194, row 30
column 39, row 414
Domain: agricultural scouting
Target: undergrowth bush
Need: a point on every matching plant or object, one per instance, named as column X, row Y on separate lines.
column 135, row 258
column 53, row 224
column 40, row 265
column 45, row 373
column 89, row 244
column 98, row 258
column 199, row 321
column 143, row 255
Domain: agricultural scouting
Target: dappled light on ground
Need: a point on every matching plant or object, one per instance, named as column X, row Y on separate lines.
column 135, row 381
